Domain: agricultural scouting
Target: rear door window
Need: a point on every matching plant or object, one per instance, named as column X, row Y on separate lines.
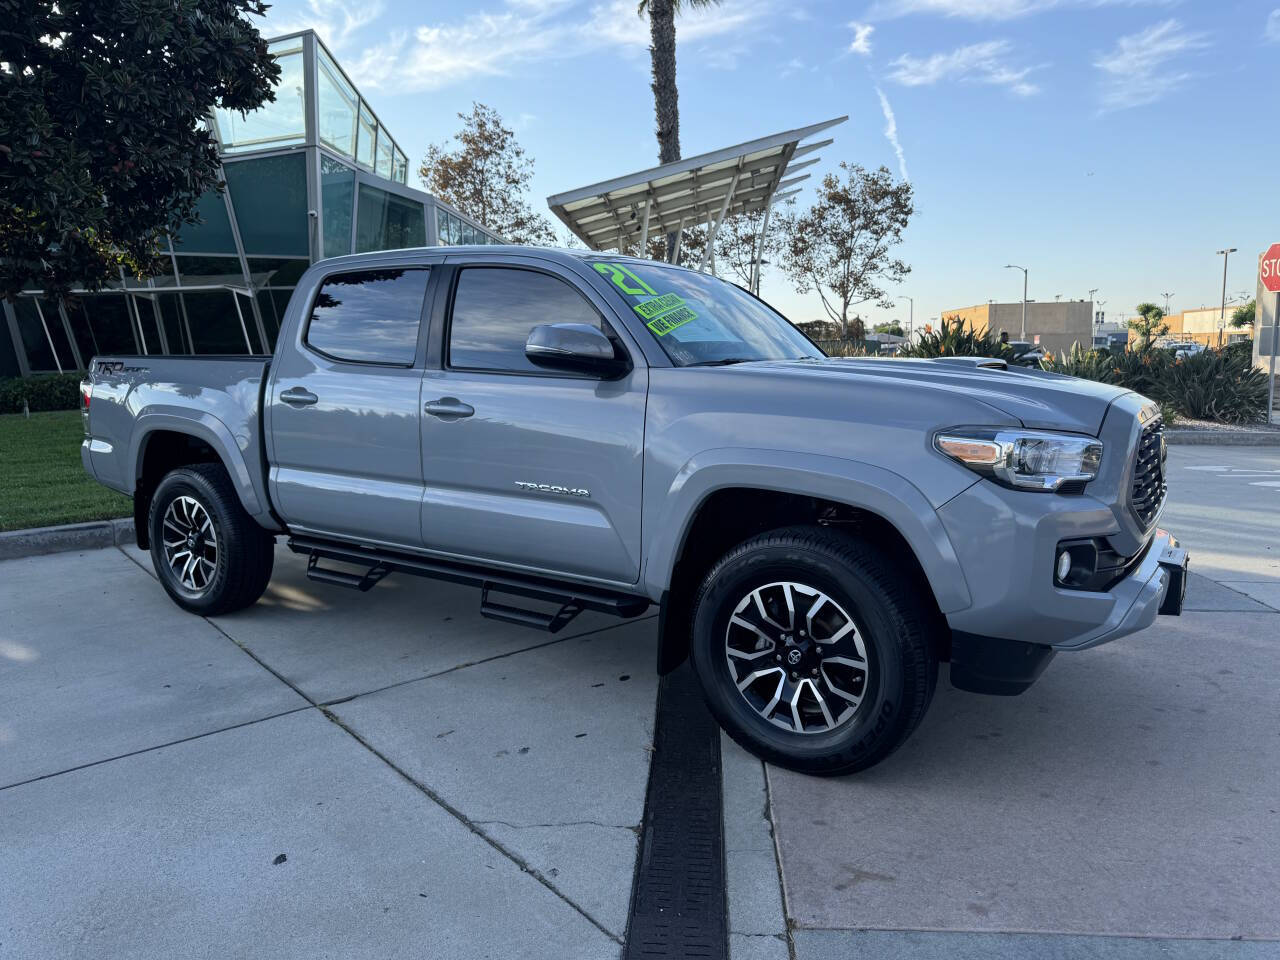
column 369, row 316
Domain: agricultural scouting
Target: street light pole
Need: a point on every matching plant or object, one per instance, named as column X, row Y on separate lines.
column 911, row 314
column 1014, row 266
column 1225, row 254
column 1167, row 297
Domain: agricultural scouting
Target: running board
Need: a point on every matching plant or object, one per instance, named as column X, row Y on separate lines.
column 569, row 598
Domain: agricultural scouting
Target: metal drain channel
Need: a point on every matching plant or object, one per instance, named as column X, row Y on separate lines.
column 678, row 902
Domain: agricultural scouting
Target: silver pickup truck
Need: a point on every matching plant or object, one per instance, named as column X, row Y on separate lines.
column 573, row 431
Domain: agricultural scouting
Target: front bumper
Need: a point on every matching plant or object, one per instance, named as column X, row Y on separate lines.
column 1007, row 541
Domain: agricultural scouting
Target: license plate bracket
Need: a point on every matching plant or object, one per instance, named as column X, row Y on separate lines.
column 1174, row 561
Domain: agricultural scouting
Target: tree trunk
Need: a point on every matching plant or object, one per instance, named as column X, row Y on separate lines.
column 662, row 53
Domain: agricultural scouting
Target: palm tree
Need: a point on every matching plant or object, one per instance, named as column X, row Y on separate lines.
column 662, row 53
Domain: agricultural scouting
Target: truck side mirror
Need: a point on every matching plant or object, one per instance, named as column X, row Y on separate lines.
column 578, row 347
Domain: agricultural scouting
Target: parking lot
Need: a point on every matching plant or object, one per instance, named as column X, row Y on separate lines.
column 336, row 774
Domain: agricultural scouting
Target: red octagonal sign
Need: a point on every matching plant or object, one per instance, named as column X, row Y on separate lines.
column 1269, row 268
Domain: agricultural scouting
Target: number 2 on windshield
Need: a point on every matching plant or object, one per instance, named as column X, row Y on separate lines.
column 620, row 275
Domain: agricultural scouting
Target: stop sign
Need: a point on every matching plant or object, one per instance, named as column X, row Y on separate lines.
column 1269, row 268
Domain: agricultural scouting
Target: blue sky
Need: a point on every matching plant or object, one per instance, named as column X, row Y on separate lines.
column 1102, row 143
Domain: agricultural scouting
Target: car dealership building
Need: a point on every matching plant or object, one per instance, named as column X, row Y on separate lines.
column 310, row 176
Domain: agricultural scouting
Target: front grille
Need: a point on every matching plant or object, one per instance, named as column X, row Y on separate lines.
column 1147, row 494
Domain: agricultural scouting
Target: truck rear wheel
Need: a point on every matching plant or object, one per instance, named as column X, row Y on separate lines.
column 809, row 651
column 210, row 556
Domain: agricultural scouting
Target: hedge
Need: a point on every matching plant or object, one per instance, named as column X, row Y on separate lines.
column 48, row 391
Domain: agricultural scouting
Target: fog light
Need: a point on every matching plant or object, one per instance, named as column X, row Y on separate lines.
column 1064, row 566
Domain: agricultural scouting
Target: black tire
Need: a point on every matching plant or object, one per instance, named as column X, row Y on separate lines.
column 896, row 632
column 238, row 569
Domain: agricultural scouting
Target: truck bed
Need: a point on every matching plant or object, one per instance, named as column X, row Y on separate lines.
column 135, row 401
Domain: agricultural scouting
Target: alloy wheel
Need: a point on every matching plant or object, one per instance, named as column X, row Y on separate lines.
column 797, row 657
column 190, row 543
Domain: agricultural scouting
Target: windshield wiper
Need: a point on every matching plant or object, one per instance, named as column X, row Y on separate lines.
column 723, row 362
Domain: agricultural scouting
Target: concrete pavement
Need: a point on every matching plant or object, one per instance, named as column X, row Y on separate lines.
column 335, row 774
column 1126, row 806
column 326, row 774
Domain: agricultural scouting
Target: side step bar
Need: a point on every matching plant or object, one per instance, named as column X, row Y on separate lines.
column 571, row 599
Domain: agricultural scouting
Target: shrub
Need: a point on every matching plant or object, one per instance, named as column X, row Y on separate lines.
column 1221, row 385
column 955, row 339
column 842, row 348
column 1216, row 384
column 1086, row 364
column 49, row 391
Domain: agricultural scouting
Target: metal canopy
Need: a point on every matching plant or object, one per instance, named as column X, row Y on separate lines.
column 708, row 188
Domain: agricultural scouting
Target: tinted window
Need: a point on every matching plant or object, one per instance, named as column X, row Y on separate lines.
column 494, row 310
column 371, row 316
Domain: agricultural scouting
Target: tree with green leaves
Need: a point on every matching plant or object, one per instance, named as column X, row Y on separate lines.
column 841, row 247
column 891, row 327
column 486, row 175
column 738, row 240
column 1242, row 316
column 104, row 147
column 1148, row 325
column 662, row 56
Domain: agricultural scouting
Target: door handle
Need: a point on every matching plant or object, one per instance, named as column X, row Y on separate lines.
column 449, row 408
column 297, row 397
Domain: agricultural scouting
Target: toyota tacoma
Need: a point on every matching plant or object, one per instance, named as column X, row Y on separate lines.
column 570, row 431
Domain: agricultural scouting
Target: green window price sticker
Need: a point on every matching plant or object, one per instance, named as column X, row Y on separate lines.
column 671, row 320
column 658, row 305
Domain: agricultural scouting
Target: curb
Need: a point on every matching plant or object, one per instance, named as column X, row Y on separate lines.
column 71, row 536
column 1222, row 438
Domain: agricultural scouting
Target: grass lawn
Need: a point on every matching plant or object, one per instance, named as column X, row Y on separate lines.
column 41, row 480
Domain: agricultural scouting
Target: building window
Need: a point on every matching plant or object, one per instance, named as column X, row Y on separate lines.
column 495, row 308
column 385, row 221
column 107, row 315
column 368, row 133
column 36, row 335
column 386, row 152
column 369, row 316
column 214, row 323
column 213, row 234
column 338, row 106
column 337, row 193
column 400, row 168
column 274, row 124
column 270, row 199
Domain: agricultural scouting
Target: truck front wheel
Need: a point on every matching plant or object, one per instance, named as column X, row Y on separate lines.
column 210, row 556
column 810, row 652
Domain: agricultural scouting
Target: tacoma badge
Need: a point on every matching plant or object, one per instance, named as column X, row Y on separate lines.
column 553, row 488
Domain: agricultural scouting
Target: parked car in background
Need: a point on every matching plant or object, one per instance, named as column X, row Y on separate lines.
column 574, row 431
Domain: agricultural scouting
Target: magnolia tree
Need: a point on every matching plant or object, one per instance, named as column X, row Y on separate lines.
column 485, row 174
column 841, row 247
column 103, row 144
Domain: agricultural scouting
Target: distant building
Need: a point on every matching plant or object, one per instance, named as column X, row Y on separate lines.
column 312, row 175
column 1203, row 325
column 1060, row 324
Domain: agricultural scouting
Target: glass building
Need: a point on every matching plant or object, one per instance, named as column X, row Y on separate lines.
column 313, row 175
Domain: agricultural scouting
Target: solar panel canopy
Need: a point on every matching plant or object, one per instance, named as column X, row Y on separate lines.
column 617, row 214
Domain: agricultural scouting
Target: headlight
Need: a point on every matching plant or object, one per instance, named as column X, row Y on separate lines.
column 1023, row 459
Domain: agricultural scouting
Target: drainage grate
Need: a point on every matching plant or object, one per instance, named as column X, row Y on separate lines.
column 678, row 906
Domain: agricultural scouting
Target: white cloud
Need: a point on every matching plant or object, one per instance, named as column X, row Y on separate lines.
column 1271, row 32
column 522, row 32
column 891, row 133
column 991, row 9
column 1138, row 70
column 336, row 21
column 978, row 63
column 861, row 44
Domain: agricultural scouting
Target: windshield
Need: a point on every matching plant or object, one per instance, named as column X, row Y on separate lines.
column 698, row 319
